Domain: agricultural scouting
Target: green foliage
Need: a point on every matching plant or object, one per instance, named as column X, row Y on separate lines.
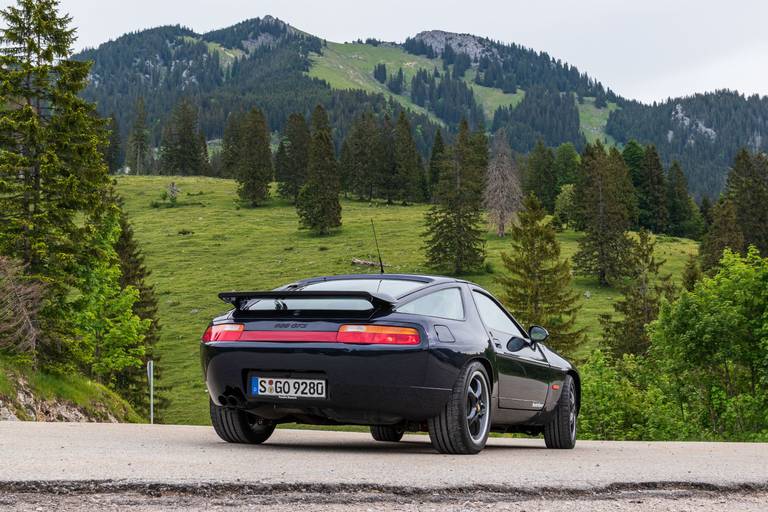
column 624, row 331
column 113, row 153
column 408, row 169
column 293, row 169
column 318, row 202
column 566, row 211
column 455, row 241
column 184, row 151
column 566, row 165
column 692, row 273
column 747, row 187
column 109, row 335
column 634, row 157
column 604, row 196
column 652, row 193
column 435, row 161
column 713, row 341
column 253, row 170
column 537, row 282
column 723, row 233
column 684, row 219
column 139, row 151
column 539, row 177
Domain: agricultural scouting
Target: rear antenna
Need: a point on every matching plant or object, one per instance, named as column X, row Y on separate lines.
column 381, row 263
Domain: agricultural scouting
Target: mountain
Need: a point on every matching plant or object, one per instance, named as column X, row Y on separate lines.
column 437, row 77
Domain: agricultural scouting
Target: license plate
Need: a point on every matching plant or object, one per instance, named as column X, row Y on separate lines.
column 287, row 388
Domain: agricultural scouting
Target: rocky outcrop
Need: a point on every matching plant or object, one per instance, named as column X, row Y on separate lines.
column 473, row 46
column 26, row 406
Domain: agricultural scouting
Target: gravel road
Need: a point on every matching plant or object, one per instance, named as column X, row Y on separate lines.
column 70, row 466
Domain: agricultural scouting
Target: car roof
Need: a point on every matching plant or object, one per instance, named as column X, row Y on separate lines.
column 426, row 279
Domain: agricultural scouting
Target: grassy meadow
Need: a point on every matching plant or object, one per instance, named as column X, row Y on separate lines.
column 209, row 244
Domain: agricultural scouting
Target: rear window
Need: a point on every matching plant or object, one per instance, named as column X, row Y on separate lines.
column 391, row 287
column 443, row 304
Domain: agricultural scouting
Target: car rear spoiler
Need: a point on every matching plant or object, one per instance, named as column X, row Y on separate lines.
column 379, row 301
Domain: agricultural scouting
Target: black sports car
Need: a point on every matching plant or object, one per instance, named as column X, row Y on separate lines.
column 395, row 352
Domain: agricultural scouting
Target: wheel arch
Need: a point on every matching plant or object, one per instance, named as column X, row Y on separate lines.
column 488, row 369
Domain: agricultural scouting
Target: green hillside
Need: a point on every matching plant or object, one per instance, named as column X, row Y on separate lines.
column 350, row 66
column 207, row 244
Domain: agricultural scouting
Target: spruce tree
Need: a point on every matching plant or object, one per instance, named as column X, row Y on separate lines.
column 681, row 213
column 387, row 185
column 706, row 211
column 723, row 233
column 52, row 176
column 296, row 141
column 652, row 193
column 318, row 202
column 537, row 281
column 625, row 331
column 113, row 153
column 362, row 163
column 692, row 272
column 455, row 241
column 139, row 153
column 181, row 152
column 747, row 188
column 566, row 165
column 634, row 156
column 131, row 383
column 602, row 195
column 539, row 176
column 503, row 192
column 231, row 145
column 254, row 168
column 408, row 170
column 436, row 161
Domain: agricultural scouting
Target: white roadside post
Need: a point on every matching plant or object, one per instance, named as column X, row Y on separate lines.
column 151, row 378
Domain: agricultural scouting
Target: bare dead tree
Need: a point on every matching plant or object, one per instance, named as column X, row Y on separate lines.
column 503, row 190
column 20, row 301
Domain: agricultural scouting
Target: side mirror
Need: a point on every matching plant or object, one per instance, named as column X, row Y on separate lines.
column 538, row 334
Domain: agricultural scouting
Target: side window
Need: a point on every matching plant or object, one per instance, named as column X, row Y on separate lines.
column 495, row 317
column 443, row 303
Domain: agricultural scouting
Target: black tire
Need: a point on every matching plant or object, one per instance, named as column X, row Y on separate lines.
column 560, row 433
column 464, row 423
column 237, row 426
column 387, row 433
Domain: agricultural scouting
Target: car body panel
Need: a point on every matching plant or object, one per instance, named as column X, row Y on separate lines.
column 385, row 384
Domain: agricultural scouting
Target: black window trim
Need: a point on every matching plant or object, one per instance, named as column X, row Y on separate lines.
column 500, row 305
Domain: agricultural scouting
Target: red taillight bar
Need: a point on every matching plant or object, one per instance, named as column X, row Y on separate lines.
column 352, row 333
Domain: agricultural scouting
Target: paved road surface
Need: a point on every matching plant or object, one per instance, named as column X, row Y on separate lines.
column 340, row 469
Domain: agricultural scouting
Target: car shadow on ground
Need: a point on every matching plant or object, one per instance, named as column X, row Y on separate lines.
column 402, row 447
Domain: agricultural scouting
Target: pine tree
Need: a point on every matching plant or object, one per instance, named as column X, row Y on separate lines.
column 455, row 240
column 681, row 213
column 131, row 383
column 692, row 272
column 436, row 161
column 537, row 282
column 639, row 304
column 566, row 165
column 387, row 185
column 181, row 152
column 362, row 158
column 396, row 82
column 724, row 233
column 52, row 173
column 139, row 154
column 296, row 140
column 634, row 156
column 706, row 212
column 254, row 168
column 408, row 169
column 652, row 193
column 113, row 152
column 318, row 202
column 539, row 177
column 231, row 145
column 747, row 188
column 601, row 195
column 380, row 72
column 503, row 192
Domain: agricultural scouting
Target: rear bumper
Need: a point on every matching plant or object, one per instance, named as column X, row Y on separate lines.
column 365, row 385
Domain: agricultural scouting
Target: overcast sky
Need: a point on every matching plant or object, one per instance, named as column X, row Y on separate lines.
column 647, row 50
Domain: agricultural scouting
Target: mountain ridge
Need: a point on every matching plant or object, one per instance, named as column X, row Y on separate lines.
column 269, row 63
